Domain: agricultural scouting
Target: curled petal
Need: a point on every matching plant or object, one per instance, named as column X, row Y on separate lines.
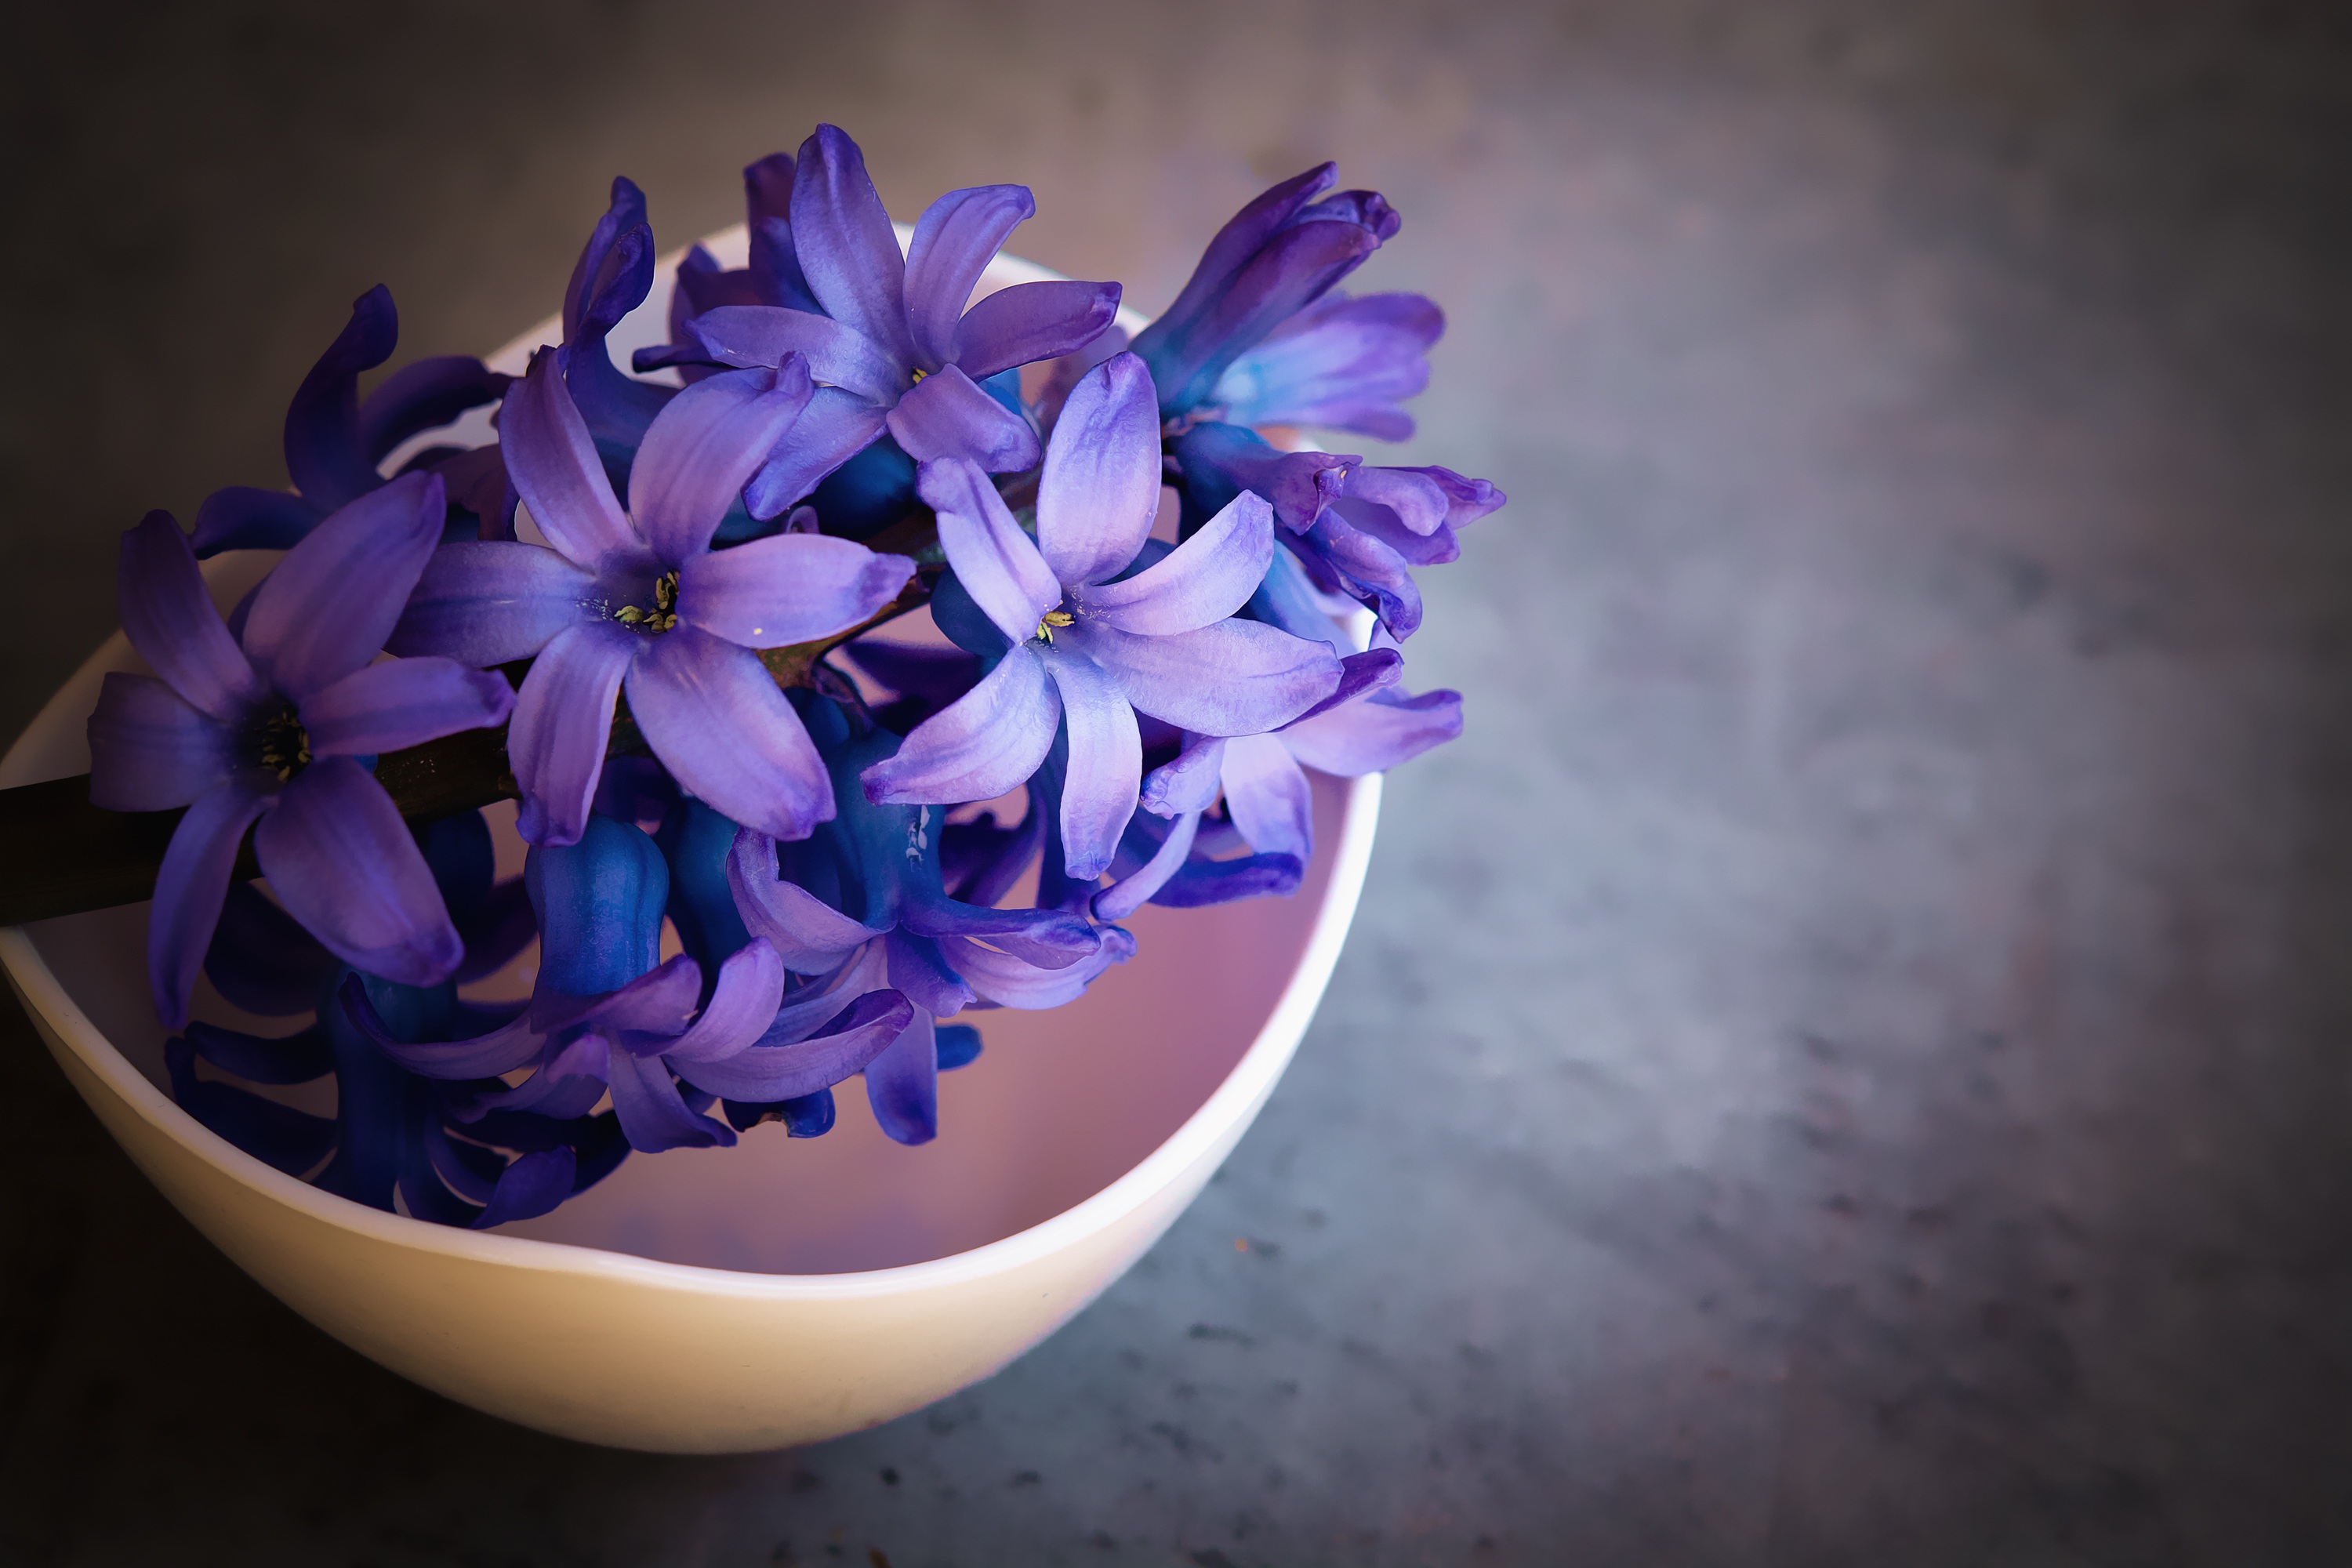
column 702, row 449
column 948, row 416
column 324, row 453
column 810, row 936
column 902, row 1083
column 1129, row 893
column 191, row 884
column 790, row 588
column 1010, row 982
column 652, row 1113
column 502, row 1051
column 150, row 750
column 1100, row 488
column 239, row 517
column 341, row 861
column 169, row 619
column 978, row 748
column 424, row 395
column 1204, row 579
column 717, row 721
column 327, row 608
column 562, row 718
column 1378, row 733
column 857, row 1034
column 1033, row 321
column 1191, row 782
column 995, row 562
column 402, row 702
column 531, row 1186
column 751, row 985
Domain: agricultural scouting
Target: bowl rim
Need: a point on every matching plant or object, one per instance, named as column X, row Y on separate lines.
column 1231, row 1102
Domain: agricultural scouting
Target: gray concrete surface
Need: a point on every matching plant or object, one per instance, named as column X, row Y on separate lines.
column 1845, row 1063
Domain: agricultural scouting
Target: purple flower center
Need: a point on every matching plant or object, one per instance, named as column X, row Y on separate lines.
column 284, row 745
column 664, row 614
column 1053, row 621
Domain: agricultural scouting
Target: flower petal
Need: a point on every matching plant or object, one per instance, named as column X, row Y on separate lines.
column 751, row 985
column 705, row 446
column 1130, row 892
column 191, row 883
column 1033, row 321
column 424, row 395
column 563, row 718
column 717, row 721
column 502, row 1051
column 846, row 248
column 1098, row 794
column 1204, row 579
column 955, row 239
column 1050, row 939
column 995, row 563
column 1235, row 677
column 902, row 1083
column 552, row 461
column 1267, row 796
column 341, row 861
column 790, row 588
column 1010, row 982
column 150, row 750
column 531, row 1186
column 835, row 427
column 1100, row 488
column 239, row 517
column 857, row 1034
column 277, row 1134
column 979, row 747
column 810, row 936
column 486, row 602
column 1375, row 734
column 323, row 451
column 402, row 702
column 169, row 619
column 652, row 1113
column 838, row 355
column 1191, row 782
column 948, row 416
column 326, row 609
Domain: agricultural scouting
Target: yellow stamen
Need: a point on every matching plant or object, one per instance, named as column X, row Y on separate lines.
column 663, row 616
column 1053, row 620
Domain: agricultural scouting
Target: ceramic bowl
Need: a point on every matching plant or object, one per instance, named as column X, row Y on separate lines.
column 785, row 1291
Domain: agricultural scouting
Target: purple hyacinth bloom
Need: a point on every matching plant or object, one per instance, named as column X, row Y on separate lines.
column 1342, row 364
column 773, row 277
column 895, row 349
column 638, row 599
column 1087, row 647
column 1276, row 257
column 606, row 1016
column 612, row 278
column 269, row 726
column 862, row 905
column 1358, row 529
column 334, row 439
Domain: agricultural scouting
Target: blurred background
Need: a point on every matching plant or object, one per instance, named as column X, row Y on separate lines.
column 1846, row 1063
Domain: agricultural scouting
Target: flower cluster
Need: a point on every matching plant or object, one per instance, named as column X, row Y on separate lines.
column 657, row 597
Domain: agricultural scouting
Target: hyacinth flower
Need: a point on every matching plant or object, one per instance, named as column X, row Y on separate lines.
column 607, row 1017
column 1082, row 648
column 267, row 729
column 895, row 350
column 393, row 1132
column 638, row 600
column 334, row 439
column 1277, row 256
column 1359, row 530
column 863, row 898
column 1342, row 364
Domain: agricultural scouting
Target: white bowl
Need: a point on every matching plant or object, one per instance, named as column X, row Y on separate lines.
column 785, row 1291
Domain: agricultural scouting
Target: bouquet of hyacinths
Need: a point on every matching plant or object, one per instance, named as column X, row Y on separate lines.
column 647, row 614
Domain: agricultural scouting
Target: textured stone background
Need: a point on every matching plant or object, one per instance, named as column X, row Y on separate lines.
column 1844, row 1065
